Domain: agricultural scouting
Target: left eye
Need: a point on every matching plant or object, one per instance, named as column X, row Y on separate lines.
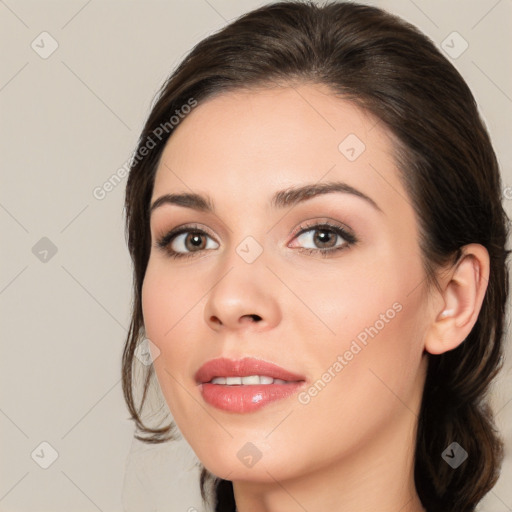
column 191, row 241
column 323, row 237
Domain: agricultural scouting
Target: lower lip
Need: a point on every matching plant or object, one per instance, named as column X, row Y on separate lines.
column 240, row 398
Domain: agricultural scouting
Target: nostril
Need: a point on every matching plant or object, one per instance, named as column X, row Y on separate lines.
column 256, row 318
column 215, row 320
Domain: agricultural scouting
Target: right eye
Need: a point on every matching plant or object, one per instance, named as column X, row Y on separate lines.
column 185, row 241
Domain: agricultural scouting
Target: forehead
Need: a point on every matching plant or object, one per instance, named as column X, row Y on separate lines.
column 243, row 145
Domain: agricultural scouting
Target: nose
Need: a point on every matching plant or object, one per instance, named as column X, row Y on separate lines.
column 245, row 298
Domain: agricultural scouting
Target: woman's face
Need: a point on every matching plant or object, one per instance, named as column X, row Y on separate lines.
column 342, row 306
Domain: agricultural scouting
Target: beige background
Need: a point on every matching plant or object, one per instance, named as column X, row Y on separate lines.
column 68, row 122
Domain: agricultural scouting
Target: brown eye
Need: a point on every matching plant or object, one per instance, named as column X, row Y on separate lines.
column 322, row 237
column 194, row 241
column 185, row 242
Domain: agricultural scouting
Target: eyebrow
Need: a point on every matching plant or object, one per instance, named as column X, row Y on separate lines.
column 281, row 199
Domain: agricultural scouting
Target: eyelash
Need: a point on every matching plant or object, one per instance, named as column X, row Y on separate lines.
column 349, row 239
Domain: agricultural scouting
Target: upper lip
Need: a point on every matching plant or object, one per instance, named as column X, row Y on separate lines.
column 224, row 367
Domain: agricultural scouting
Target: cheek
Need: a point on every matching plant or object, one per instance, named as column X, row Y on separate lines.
column 352, row 298
column 166, row 301
column 154, row 303
column 167, row 307
column 372, row 318
column 369, row 379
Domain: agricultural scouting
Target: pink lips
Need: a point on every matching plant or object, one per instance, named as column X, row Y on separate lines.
column 245, row 398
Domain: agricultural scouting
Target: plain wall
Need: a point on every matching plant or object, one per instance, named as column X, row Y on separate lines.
column 69, row 121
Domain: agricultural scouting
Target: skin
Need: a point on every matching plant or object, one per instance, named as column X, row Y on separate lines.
column 351, row 447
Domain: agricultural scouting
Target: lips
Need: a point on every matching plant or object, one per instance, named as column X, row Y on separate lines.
column 245, row 385
column 224, row 367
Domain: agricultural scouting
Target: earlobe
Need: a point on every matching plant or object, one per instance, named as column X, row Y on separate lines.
column 463, row 292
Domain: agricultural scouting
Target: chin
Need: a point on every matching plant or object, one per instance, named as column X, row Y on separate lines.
column 243, row 460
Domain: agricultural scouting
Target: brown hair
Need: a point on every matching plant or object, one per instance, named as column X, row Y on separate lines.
column 448, row 167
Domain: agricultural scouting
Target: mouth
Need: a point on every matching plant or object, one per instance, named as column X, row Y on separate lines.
column 245, row 385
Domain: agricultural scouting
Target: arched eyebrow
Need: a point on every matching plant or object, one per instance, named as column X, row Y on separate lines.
column 281, row 199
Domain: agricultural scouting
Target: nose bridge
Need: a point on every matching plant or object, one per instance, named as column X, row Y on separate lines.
column 247, row 239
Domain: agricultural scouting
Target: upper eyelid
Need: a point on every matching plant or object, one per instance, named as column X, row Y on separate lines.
column 332, row 224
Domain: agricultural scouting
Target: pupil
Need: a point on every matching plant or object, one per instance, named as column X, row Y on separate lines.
column 195, row 240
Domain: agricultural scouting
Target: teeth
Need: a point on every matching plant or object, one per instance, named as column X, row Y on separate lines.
column 249, row 380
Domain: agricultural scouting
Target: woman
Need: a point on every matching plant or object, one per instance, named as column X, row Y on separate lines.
column 331, row 343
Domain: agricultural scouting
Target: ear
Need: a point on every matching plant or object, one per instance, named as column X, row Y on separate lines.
column 463, row 291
